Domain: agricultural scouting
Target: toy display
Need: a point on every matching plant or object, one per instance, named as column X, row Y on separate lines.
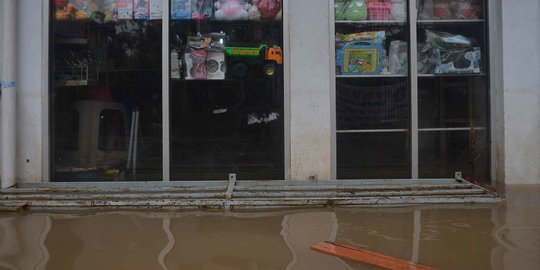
column 360, row 53
column 231, row 10
column 141, row 9
column 397, row 57
column 204, row 58
column 268, row 9
column 250, row 61
column 125, row 9
column 449, row 9
column 372, row 10
column 201, row 9
column 446, row 53
column 356, row 10
column 180, row 9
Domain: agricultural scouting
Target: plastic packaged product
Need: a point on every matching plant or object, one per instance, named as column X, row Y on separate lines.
column 340, row 6
column 377, row 36
column 201, row 9
column 398, row 57
column 425, row 9
column 398, row 11
column 457, row 61
column 180, row 9
column 443, row 40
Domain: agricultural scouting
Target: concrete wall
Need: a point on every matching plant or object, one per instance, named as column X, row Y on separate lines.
column 521, row 69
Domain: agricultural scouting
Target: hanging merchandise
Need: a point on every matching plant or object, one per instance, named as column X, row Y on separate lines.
column 231, row 9
column 125, row 9
column 141, row 10
column 269, row 9
column 155, row 10
column 180, row 9
column 201, row 9
column 77, row 10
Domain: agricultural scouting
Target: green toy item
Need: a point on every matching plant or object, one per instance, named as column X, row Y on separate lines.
column 357, row 11
column 339, row 10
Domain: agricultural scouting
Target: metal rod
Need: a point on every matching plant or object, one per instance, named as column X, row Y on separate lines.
column 414, row 88
column 372, row 130
column 165, row 91
column 135, row 143
column 131, row 135
column 8, row 80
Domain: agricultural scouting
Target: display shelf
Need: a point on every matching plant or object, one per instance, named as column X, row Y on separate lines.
column 372, row 22
column 373, row 76
column 450, row 129
column 71, row 41
column 449, row 21
column 452, row 75
column 76, row 75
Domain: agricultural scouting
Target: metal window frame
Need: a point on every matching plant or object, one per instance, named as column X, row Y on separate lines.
column 495, row 110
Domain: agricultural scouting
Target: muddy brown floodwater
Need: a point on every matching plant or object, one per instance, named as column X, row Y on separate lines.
column 501, row 236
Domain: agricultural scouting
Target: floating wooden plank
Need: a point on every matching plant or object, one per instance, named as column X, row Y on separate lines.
column 368, row 257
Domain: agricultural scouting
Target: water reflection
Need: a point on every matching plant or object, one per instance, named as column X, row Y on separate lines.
column 503, row 236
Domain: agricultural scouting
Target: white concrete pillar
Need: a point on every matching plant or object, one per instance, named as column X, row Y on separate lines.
column 310, row 95
column 9, row 75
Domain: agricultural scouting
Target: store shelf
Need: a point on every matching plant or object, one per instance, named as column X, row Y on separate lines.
column 449, row 21
column 373, row 76
column 72, row 41
column 372, row 22
column 450, row 129
column 76, row 75
column 452, row 75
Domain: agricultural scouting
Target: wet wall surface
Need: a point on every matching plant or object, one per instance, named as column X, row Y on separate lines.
column 501, row 236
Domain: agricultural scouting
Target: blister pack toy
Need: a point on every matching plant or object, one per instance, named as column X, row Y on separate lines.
column 360, row 58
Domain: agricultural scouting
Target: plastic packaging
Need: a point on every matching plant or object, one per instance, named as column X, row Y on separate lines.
column 398, row 57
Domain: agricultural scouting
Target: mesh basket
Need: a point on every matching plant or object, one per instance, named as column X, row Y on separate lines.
column 378, row 11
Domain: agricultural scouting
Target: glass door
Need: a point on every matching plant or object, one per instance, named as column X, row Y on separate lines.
column 106, row 90
column 453, row 89
column 226, row 89
column 373, row 101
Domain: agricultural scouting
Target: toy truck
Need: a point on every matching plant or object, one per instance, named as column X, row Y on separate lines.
column 253, row 62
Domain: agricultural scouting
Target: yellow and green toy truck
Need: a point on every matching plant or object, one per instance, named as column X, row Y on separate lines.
column 244, row 62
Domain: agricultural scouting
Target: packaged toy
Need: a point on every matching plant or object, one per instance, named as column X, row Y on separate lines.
column 231, row 10
column 141, row 10
column 398, row 11
column 360, row 58
column 201, row 9
column 398, row 57
column 180, row 9
column 268, row 9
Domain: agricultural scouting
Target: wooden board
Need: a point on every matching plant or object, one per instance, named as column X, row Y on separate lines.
column 368, row 257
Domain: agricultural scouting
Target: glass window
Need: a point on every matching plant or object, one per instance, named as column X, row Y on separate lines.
column 453, row 91
column 372, row 89
column 226, row 89
column 106, row 85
